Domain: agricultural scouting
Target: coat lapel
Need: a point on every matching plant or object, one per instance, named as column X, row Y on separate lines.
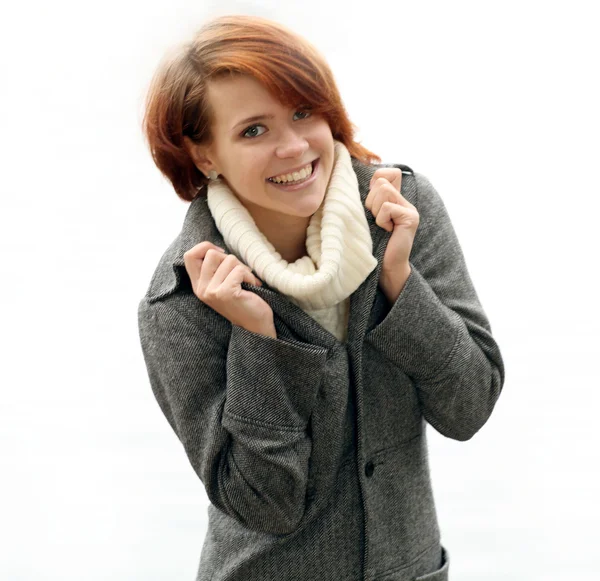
column 291, row 320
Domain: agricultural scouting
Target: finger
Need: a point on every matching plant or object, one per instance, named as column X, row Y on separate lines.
column 215, row 271
column 385, row 218
column 384, row 192
column 391, row 215
column 194, row 257
column 379, row 184
column 397, row 197
column 391, row 174
column 232, row 285
column 226, row 267
column 210, row 265
column 199, row 250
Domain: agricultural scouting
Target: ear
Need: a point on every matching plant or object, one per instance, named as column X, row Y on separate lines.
column 200, row 155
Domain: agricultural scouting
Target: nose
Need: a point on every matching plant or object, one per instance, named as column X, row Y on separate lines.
column 291, row 144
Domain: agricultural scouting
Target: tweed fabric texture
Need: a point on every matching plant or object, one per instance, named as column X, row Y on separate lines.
column 312, row 450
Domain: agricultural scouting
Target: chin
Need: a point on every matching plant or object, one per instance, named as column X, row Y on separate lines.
column 314, row 202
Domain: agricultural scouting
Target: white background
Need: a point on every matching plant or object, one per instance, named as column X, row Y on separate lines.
column 495, row 102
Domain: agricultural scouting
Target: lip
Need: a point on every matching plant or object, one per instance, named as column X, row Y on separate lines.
column 293, row 169
column 305, row 184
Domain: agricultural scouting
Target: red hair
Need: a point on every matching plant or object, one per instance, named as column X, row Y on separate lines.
column 286, row 64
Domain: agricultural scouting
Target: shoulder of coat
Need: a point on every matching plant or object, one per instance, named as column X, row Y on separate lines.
column 365, row 171
column 404, row 168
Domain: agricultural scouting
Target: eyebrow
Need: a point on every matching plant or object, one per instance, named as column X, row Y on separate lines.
column 252, row 119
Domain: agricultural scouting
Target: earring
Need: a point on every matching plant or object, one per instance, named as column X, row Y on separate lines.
column 212, row 174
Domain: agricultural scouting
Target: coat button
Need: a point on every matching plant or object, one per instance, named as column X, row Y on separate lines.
column 369, row 468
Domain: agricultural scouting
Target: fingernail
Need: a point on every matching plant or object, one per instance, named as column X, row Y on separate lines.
column 221, row 249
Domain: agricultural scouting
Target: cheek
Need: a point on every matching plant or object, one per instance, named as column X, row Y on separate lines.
column 323, row 132
column 245, row 167
column 255, row 165
column 324, row 139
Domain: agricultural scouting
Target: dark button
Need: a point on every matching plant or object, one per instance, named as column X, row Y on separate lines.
column 369, row 468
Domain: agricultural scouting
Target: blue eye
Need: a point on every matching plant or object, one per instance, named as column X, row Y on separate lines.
column 305, row 112
column 245, row 133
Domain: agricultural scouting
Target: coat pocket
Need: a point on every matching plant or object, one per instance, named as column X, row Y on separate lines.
column 440, row 574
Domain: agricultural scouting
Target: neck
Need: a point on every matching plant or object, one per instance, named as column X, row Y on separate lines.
column 286, row 233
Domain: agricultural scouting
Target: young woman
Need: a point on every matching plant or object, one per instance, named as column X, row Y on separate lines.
column 313, row 314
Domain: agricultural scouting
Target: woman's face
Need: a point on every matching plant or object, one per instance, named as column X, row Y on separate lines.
column 247, row 152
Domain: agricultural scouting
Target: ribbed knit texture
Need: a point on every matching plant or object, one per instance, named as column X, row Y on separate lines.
column 338, row 242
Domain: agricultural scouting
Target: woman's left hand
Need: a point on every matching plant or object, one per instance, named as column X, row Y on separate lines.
column 394, row 213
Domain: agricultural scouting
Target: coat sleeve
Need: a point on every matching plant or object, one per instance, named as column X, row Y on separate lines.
column 239, row 406
column 437, row 331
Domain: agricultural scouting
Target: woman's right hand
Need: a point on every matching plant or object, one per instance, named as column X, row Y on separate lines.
column 217, row 278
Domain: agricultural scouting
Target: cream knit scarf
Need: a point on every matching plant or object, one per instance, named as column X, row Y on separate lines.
column 338, row 242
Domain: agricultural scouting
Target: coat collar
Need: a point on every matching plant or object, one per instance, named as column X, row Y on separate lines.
column 199, row 225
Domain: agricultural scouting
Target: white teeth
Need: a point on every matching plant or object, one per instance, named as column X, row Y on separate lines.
column 293, row 177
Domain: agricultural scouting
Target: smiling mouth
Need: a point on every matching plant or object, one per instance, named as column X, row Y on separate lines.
column 313, row 164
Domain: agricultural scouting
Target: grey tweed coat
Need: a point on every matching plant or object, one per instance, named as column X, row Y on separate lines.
column 313, row 451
